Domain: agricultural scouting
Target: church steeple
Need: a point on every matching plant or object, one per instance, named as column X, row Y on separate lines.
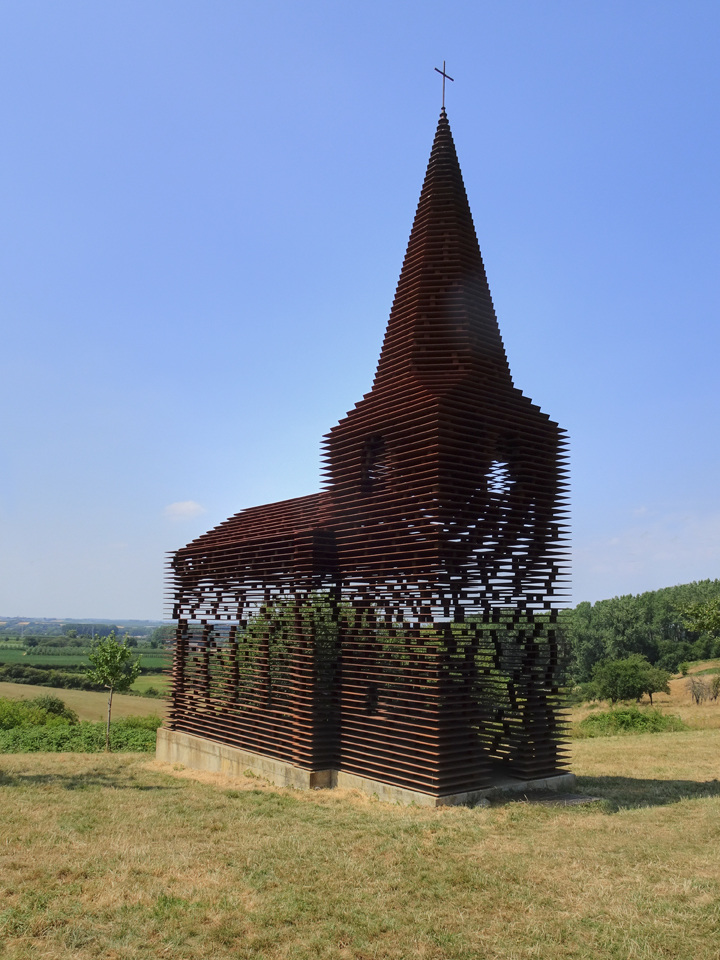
column 412, row 601
column 442, row 324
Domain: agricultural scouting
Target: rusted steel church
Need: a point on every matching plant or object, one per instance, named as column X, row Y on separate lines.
column 398, row 629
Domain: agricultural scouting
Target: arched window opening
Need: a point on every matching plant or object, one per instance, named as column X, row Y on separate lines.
column 374, row 465
column 499, row 479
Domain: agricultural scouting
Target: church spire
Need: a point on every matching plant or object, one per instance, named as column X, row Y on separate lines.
column 442, row 324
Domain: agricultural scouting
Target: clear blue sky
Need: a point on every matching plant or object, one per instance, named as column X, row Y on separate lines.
column 203, row 214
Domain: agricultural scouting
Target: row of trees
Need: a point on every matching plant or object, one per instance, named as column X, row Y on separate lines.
column 71, row 640
column 47, row 631
column 666, row 627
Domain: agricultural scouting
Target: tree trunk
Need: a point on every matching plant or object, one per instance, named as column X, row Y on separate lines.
column 107, row 727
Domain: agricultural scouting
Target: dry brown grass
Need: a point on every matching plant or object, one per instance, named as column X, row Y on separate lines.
column 87, row 704
column 690, row 755
column 120, row 857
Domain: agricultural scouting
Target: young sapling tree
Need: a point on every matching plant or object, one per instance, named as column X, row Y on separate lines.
column 113, row 667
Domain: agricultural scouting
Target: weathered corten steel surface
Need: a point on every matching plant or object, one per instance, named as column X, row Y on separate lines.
column 401, row 624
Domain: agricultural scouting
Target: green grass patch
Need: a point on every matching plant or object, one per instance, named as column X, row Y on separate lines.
column 152, row 685
column 155, row 661
column 628, row 720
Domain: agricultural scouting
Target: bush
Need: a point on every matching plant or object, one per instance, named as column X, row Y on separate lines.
column 580, row 693
column 84, row 737
column 141, row 723
column 16, row 713
column 55, row 707
column 45, row 724
column 625, row 720
column 41, row 712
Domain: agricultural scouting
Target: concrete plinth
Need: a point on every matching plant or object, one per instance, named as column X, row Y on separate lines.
column 200, row 754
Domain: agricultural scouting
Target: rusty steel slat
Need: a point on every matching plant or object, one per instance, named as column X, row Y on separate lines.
column 401, row 623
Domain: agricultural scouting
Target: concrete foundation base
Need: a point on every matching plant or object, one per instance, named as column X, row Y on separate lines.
column 201, row 754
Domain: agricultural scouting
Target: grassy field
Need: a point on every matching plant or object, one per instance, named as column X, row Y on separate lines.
column 159, row 681
column 119, row 857
column 87, row 704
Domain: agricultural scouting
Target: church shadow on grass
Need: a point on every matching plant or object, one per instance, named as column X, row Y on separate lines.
column 87, row 780
column 633, row 792
column 616, row 792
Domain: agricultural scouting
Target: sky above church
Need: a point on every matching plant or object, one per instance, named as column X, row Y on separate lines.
column 203, row 214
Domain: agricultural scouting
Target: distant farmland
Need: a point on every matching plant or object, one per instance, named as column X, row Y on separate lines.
column 154, row 661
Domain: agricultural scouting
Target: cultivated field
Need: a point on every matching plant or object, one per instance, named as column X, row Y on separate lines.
column 14, row 654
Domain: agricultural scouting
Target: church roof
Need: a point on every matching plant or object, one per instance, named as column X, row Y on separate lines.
column 272, row 521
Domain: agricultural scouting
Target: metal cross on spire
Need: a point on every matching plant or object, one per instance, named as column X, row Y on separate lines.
column 445, row 76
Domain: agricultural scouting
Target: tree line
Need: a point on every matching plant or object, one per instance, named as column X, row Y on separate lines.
column 70, row 641
column 667, row 627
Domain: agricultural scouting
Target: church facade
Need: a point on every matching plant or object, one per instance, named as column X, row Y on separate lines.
column 399, row 627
